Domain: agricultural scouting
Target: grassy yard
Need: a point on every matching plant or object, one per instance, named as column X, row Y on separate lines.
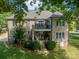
column 14, row 53
column 74, row 40
column 72, row 52
column 73, row 48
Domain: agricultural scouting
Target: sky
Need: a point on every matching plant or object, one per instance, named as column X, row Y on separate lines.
column 32, row 6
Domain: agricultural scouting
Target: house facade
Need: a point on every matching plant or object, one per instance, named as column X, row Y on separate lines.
column 43, row 27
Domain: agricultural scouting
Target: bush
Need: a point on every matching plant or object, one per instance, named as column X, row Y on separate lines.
column 28, row 44
column 35, row 45
column 50, row 44
column 32, row 45
column 19, row 34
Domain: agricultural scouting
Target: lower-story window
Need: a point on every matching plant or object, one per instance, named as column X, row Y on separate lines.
column 59, row 35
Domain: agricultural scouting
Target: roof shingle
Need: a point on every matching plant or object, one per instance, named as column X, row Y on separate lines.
column 34, row 16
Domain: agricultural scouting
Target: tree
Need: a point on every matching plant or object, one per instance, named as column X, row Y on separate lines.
column 72, row 24
column 4, row 6
column 19, row 32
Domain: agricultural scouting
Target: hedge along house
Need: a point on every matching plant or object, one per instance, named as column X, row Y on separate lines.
column 43, row 27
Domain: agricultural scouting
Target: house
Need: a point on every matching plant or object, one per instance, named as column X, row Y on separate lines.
column 43, row 27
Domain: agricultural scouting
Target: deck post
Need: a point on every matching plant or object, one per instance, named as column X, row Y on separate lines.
column 32, row 35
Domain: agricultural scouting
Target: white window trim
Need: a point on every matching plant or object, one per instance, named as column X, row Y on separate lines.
column 59, row 35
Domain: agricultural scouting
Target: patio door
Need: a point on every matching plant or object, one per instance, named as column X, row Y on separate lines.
column 43, row 35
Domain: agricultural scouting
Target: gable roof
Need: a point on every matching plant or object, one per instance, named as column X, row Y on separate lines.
column 30, row 15
column 45, row 15
column 57, row 14
column 34, row 16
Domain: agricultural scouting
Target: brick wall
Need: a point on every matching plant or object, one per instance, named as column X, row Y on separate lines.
column 59, row 29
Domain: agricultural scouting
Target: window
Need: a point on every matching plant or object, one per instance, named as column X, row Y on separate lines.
column 62, row 34
column 59, row 35
column 60, row 23
column 39, row 24
column 48, row 23
column 57, row 23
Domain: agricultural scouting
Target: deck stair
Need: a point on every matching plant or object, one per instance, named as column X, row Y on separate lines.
column 42, row 45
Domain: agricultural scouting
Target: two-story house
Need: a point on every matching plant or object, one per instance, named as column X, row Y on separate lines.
column 43, row 27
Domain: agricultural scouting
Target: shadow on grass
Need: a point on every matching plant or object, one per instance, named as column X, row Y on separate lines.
column 74, row 40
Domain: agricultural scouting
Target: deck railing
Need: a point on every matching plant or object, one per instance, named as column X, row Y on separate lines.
column 42, row 26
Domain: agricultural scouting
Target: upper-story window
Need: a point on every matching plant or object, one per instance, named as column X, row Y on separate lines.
column 43, row 24
column 60, row 35
column 60, row 23
column 48, row 23
column 40, row 24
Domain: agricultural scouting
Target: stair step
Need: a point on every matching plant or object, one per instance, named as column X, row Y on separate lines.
column 42, row 43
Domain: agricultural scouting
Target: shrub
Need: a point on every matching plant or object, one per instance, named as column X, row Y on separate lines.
column 36, row 45
column 50, row 44
column 28, row 44
column 19, row 34
column 32, row 45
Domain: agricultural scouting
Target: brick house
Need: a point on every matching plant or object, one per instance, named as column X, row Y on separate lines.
column 43, row 27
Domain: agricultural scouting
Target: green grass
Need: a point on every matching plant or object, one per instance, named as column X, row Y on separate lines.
column 71, row 52
column 14, row 53
column 7, row 52
column 73, row 48
column 74, row 40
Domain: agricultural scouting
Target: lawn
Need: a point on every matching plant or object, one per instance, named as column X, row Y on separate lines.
column 71, row 52
column 74, row 40
column 73, row 48
column 7, row 52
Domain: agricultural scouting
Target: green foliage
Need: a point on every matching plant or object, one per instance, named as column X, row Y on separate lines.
column 72, row 25
column 17, row 8
column 32, row 45
column 7, row 52
column 50, row 44
column 3, row 22
column 4, row 6
column 36, row 45
column 28, row 44
column 19, row 34
column 67, row 7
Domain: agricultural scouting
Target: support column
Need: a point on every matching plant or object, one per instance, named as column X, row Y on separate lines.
column 32, row 35
column 52, row 30
column 10, row 28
